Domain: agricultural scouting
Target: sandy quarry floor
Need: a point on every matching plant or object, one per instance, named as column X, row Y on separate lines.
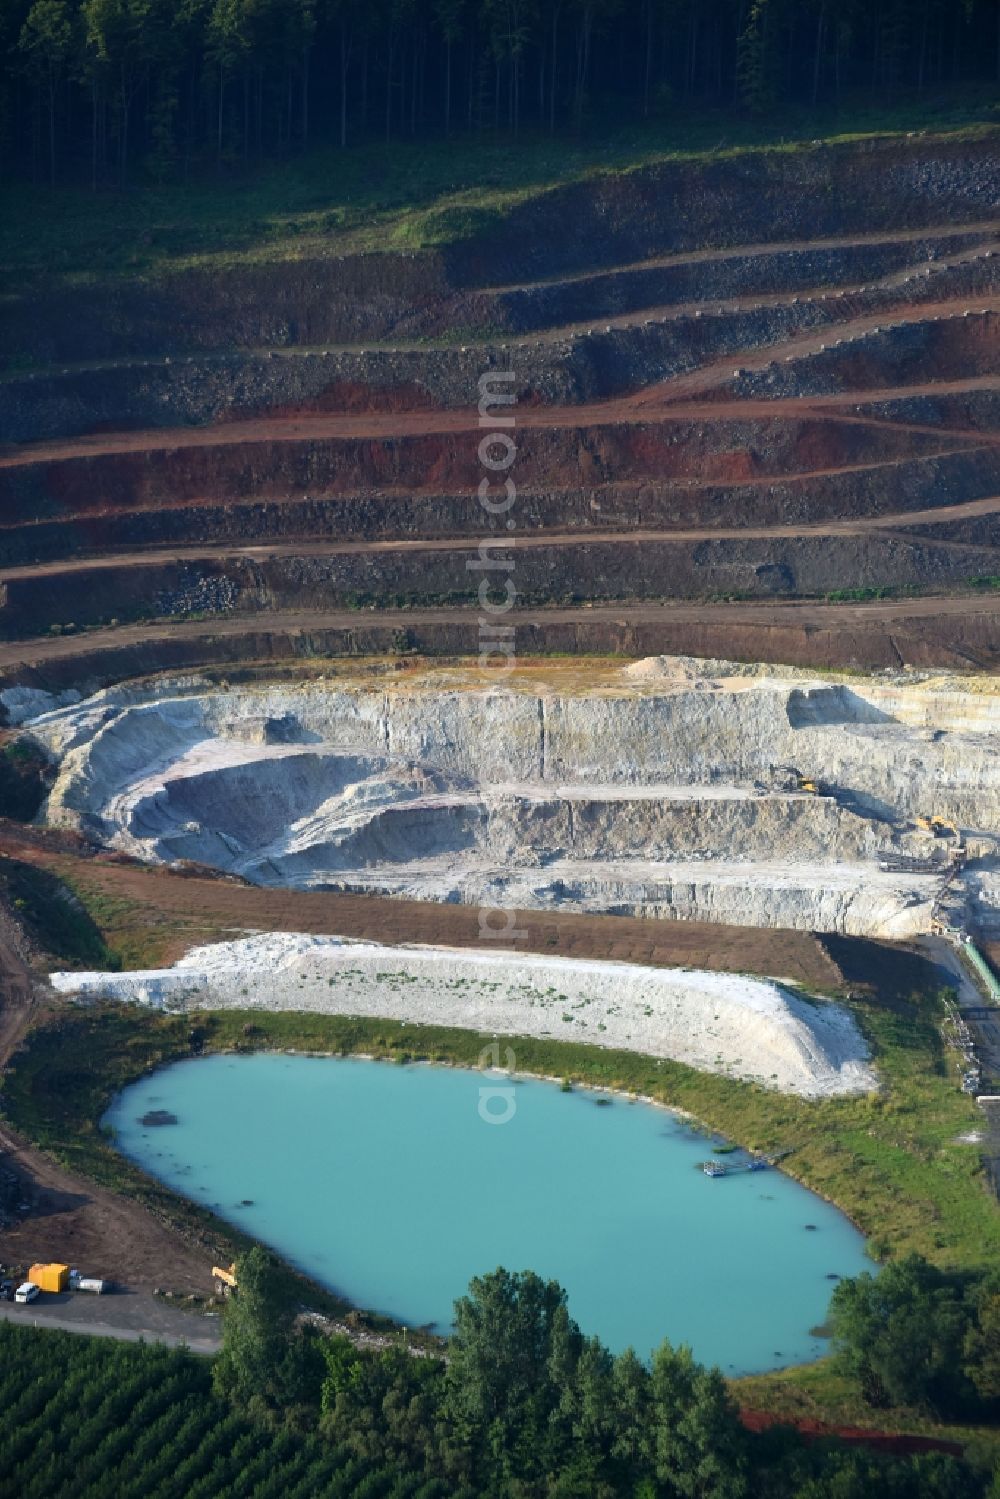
column 746, row 1028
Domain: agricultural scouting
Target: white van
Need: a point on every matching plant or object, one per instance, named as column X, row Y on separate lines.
column 26, row 1292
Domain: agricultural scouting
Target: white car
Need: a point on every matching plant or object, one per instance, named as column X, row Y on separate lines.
column 26, row 1292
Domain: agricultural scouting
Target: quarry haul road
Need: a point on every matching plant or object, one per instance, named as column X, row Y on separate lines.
column 837, row 295
column 984, row 241
column 803, row 615
column 259, row 551
column 653, row 404
column 984, row 230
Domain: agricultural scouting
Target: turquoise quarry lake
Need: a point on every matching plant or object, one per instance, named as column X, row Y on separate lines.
column 386, row 1184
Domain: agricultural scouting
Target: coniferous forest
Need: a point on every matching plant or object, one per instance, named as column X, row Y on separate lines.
column 108, row 91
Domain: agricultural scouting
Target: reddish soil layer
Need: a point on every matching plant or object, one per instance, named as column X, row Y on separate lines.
column 320, row 456
column 176, row 911
column 857, row 1436
column 855, row 446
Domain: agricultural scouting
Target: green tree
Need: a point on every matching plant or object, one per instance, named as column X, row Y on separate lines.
column 510, row 1331
column 449, row 16
column 117, row 33
column 631, row 1405
column 592, row 17
column 255, row 1364
column 982, row 1342
column 756, row 58
column 382, row 1406
column 699, row 1451
column 229, row 44
column 901, row 1333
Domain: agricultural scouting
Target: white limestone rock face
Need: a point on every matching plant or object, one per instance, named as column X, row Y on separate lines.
column 668, row 793
column 21, row 703
column 751, row 1029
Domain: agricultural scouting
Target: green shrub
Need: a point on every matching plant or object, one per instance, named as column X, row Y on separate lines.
column 23, row 780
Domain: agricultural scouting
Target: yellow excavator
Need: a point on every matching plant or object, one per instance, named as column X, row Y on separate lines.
column 225, row 1280
column 939, row 826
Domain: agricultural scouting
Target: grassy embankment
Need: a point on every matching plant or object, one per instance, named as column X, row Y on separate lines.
column 893, row 1161
column 406, row 197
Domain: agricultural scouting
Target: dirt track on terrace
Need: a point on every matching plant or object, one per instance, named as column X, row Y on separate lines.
column 661, row 403
column 856, row 526
column 957, row 631
column 986, row 228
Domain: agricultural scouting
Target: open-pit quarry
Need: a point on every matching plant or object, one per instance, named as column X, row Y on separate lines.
column 754, row 408
column 737, row 781
column 666, row 789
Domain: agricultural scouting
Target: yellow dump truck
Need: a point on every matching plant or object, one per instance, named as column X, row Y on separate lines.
column 50, row 1277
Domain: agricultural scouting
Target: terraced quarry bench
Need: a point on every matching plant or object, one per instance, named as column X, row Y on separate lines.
column 662, row 789
column 738, row 385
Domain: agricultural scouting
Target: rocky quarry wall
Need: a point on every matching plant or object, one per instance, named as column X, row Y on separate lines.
column 749, row 198
column 892, row 487
column 546, row 573
column 674, row 795
column 566, row 366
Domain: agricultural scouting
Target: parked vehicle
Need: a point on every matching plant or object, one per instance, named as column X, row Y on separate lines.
column 6, row 1290
column 91, row 1283
column 26, row 1292
column 50, row 1277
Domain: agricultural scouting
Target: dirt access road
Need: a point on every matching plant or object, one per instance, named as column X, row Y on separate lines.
column 955, row 631
column 76, row 1222
column 667, row 402
column 68, row 1219
column 128, row 1316
column 858, row 526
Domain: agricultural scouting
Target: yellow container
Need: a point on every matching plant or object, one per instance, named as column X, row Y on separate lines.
column 50, row 1277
